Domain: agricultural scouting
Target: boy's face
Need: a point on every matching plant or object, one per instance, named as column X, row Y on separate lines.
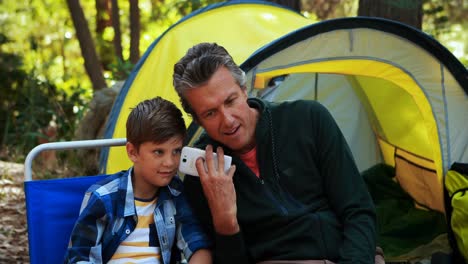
column 154, row 164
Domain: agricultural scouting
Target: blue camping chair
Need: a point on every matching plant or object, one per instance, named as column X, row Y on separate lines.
column 52, row 206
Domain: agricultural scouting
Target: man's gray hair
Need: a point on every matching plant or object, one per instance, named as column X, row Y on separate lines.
column 198, row 66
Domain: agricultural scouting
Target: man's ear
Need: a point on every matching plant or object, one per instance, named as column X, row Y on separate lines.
column 132, row 151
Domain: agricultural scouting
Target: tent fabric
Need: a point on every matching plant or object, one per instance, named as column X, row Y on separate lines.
column 52, row 207
column 240, row 26
column 410, row 94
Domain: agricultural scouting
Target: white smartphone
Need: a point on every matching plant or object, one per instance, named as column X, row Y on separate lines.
column 190, row 155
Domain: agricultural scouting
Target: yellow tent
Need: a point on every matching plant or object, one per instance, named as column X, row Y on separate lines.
column 397, row 94
column 240, row 26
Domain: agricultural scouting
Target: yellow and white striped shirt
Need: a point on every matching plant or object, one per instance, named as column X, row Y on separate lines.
column 142, row 245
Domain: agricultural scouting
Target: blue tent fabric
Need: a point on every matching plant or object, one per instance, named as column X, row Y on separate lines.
column 52, row 209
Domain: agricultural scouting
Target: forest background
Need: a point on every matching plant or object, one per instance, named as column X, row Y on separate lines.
column 62, row 62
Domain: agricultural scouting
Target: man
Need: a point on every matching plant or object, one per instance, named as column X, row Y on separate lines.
column 294, row 192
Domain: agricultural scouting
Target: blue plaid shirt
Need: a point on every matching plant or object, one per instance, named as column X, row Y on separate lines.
column 108, row 216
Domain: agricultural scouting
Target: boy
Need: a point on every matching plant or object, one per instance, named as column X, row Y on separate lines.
column 138, row 215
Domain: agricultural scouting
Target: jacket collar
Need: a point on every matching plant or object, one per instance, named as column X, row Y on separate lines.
column 263, row 124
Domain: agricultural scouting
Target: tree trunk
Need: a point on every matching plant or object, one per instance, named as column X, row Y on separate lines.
column 103, row 21
column 117, row 33
column 293, row 4
column 88, row 51
column 102, row 16
column 134, row 31
column 405, row 11
column 94, row 119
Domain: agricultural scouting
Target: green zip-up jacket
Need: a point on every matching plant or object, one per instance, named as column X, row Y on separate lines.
column 309, row 202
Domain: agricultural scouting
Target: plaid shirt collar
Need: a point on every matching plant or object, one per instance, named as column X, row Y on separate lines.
column 125, row 192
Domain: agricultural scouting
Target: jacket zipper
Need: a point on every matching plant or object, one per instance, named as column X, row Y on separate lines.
column 278, row 201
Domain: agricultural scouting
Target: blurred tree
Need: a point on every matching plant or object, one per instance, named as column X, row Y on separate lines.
column 12, row 78
column 48, row 83
column 186, row 7
column 134, row 31
column 324, row 9
column 31, row 107
column 104, row 46
column 44, row 55
column 92, row 123
column 293, row 4
column 409, row 12
column 103, row 19
column 447, row 21
column 117, row 33
column 91, row 61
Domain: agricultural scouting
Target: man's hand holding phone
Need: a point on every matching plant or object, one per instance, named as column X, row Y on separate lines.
column 189, row 157
column 219, row 190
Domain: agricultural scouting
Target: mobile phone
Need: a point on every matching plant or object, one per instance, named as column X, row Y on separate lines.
column 190, row 155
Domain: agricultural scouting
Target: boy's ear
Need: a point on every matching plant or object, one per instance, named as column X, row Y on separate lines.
column 132, row 151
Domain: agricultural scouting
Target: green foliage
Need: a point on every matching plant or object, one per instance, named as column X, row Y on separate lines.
column 447, row 22
column 186, row 7
column 29, row 105
column 436, row 18
column 43, row 33
column 43, row 81
column 121, row 69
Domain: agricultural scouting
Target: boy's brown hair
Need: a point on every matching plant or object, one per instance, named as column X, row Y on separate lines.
column 154, row 120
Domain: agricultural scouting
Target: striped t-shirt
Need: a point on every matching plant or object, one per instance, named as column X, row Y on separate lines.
column 142, row 245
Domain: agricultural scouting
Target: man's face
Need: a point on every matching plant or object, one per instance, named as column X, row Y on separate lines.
column 221, row 109
column 154, row 164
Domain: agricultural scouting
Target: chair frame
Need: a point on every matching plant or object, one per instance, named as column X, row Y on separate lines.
column 42, row 223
